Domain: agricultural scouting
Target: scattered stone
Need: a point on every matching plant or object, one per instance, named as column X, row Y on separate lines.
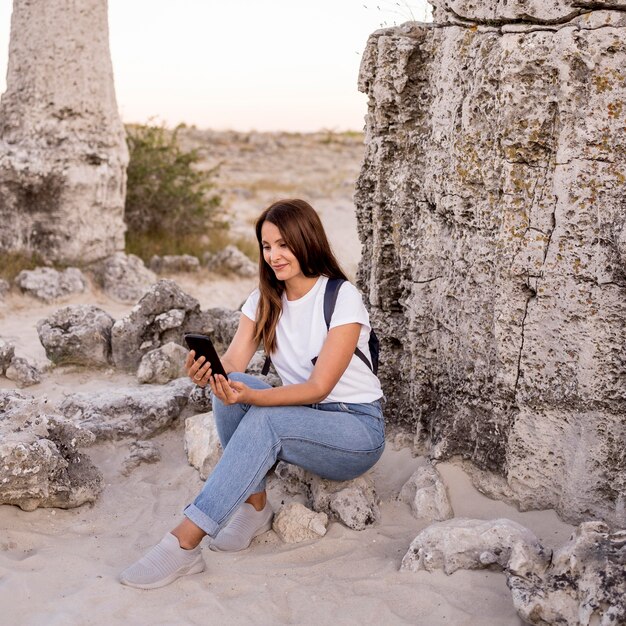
column 174, row 263
column 48, row 284
column 295, row 523
column 40, row 464
column 224, row 324
column 123, row 277
column 231, row 259
column 473, row 544
column 22, row 373
column 4, row 288
column 255, row 367
column 163, row 364
column 79, row 334
column 427, row 495
column 141, row 452
column 7, row 352
column 139, row 412
column 164, row 314
column 199, row 399
column 352, row 502
column 585, row 582
column 202, row 443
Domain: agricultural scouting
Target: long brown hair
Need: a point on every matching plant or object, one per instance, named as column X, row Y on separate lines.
column 302, row 230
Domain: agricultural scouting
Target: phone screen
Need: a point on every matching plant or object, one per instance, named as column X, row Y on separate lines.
column 203, row 346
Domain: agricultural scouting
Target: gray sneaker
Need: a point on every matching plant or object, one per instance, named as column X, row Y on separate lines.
column 245, row 524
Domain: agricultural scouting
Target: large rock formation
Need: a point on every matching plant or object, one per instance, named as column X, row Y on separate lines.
column 63, row 154
column 492, row 212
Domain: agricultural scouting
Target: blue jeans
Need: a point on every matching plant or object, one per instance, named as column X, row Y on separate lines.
column 334, row 440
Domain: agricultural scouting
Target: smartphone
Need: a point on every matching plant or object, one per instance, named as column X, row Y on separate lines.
column 203, row 346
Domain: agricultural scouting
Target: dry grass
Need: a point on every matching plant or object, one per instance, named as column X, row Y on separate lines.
column 12, row 263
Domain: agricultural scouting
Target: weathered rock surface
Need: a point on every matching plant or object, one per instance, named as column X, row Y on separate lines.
column 62, row 150
column 491, row 210
column 22, row 373
column 163, row 364
column 224, row 324
column 79, row 334
column 4, row 288
column 584, row 584
column 48, row 284
column 352, row 502
column 255, row 367
column 427, row 495
column 295, row 523
column 231, row 259
column 474, row 544
column 172, row 263
column 133, row 412
column 40, row 464
column 202, row 443
column 141, row 452
column 164, row 314
column 7, row 352
column 199, row 399
column 123, row 277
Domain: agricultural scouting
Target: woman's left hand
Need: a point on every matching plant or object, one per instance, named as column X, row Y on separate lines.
column 230, row 391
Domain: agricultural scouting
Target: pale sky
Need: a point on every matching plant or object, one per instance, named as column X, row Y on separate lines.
column 241, row 64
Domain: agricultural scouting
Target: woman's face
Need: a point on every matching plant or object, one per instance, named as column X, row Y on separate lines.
column 277, row 254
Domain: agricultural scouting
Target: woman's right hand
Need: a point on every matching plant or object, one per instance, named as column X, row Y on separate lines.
column 199, row 370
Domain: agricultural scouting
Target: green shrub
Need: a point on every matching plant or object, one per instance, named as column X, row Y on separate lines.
column 171, row 206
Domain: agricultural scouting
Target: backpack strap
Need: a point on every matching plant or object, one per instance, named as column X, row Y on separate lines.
column 266, row 365
column 330, row 300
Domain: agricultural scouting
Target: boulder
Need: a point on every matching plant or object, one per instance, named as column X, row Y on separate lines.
column 123, row 277
column 491, row 211
column 162, row 315
column 174, row 263
column 231, row 259
column 22, row 373
column 202, row 443
column 48, row 284
column 224, row 324
column 79, row 334
column 40, row 462
column 163, row 364
column 138, row 412
column 295, row 523
column 427, row 495
column 141, row 452
column 585, row 582
column 255, row 367
column 352, row 502
column 199, row 399
column 473, row 544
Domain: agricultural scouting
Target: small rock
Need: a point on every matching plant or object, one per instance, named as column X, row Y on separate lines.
column 202, row 443
column 352, row 502
column 4, row 288
column 199, row 399
column 40, row 464
column 469, row 544
column 141, row 452
column 48, row 284
column 163, row 364
column 138, row 412
column 231, row 259
column 79, row 334
column 7, row 352
column 427, row 495
column 295, row 523
column 123, row 277
column 21, row 372
column 173, row 263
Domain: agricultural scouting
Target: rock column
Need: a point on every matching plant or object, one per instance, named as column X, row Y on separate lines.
column 63, row 154
column 492, row 209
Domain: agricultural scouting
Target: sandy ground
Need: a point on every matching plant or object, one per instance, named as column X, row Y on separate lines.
column 60, row 567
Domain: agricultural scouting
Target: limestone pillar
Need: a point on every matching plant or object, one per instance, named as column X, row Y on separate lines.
column 63, row 154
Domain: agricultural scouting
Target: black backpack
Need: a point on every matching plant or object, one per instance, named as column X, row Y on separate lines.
column 330, row 299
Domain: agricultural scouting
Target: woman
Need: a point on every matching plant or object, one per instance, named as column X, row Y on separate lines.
column 326, row 418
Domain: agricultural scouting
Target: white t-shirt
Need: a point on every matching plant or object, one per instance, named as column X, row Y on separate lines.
column 301, row 332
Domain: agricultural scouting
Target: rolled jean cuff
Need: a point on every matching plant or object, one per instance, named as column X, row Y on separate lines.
column 202, row 520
